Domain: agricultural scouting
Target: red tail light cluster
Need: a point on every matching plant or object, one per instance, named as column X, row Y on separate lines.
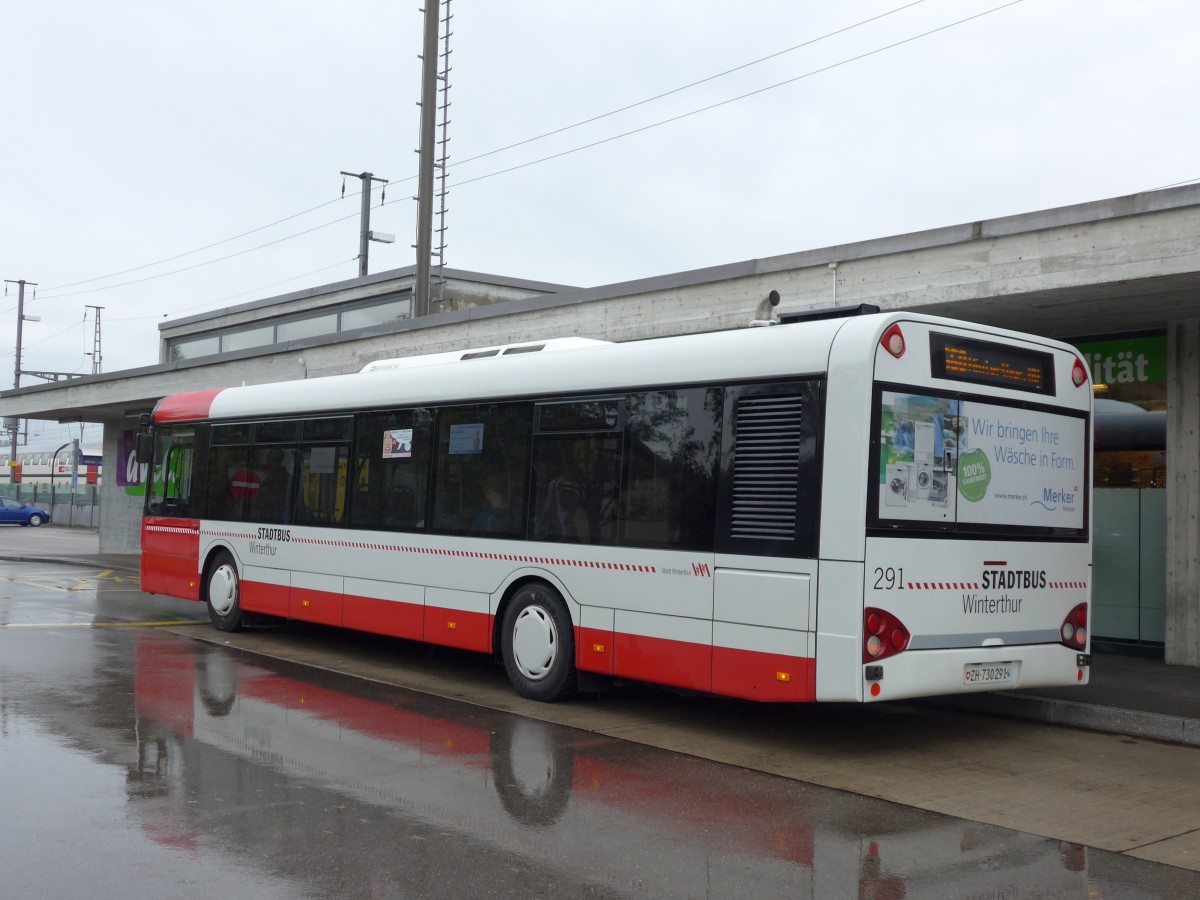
column 1079, row 374
column 1074, row 628
column 883, row 635
column 893, row 341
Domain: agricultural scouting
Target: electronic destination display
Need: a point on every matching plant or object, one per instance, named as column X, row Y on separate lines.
column 982, row 362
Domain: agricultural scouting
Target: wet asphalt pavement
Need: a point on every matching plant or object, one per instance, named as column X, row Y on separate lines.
column 135, row 762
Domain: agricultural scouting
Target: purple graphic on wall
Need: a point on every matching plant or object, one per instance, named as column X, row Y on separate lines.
column 129, row 473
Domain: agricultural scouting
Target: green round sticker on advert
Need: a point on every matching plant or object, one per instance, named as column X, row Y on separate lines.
column 974, row 475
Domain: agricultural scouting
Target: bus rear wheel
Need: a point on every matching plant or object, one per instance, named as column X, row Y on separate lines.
column 223, row 593
column 537, row 641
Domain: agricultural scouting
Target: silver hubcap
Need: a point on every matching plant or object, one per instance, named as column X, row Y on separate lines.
column 223, row 589
column 535, row 643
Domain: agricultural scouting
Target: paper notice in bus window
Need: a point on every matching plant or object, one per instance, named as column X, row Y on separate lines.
column 466, row 439
column 918, row 438
column 1021, row 467
column 397, row 444
column 323, row 461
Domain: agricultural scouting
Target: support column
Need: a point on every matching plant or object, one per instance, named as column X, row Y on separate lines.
column 1183, row 493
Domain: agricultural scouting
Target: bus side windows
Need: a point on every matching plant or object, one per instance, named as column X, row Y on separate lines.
column 668, row 496
column 227, row 483
column 170, row 489
column 575, row 495
column 390, row 478
column 482, row 466
column 272, row 484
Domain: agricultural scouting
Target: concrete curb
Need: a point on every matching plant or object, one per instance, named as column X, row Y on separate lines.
column 1090, row 716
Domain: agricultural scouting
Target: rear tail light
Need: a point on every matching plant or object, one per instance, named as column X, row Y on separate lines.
column 1073, row 633
column 1079, row 375
column 893, row 341
column 883, row 635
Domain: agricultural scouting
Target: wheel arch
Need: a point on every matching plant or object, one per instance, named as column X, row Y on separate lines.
column 514, row 583
column 206, row 563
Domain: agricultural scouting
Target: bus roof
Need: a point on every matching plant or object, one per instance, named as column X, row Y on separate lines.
column 748, row 354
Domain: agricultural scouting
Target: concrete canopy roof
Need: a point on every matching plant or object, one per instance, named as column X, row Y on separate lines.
column 1123, row 264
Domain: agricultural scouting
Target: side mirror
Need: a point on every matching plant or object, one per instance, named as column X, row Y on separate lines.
column 144, row 448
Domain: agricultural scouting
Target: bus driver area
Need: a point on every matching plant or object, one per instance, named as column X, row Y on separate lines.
column 828, row 510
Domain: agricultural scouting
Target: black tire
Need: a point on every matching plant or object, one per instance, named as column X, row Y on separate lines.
column 537, row 641
column 223, row 593
column 35, row 520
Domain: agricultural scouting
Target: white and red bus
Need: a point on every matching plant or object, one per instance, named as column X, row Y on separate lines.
column 848, row 509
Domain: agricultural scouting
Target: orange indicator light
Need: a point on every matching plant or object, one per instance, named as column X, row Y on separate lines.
column 451, row 625
column 783, row 676
column 597, row 648
column 305, row 603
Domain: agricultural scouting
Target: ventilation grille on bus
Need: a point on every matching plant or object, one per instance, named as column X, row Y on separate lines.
column 766, row 467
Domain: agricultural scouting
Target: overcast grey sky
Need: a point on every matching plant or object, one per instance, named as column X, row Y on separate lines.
column 137, row 132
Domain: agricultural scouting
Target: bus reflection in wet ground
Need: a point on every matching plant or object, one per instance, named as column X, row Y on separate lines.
column 459, row 794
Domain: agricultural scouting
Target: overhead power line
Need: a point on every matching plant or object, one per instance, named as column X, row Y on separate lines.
column 588, row 146
column 159, row 262
column 684, row 87
column 521, row 143
column 745, row 96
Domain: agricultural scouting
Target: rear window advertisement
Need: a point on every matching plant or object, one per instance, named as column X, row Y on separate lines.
column 949, row 460
column 918, row 449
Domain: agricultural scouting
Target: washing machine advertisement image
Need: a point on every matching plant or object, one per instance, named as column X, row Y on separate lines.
column 919, row 448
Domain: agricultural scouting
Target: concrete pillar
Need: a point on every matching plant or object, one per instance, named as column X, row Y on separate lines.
column 120, row 504
column 1183, row 493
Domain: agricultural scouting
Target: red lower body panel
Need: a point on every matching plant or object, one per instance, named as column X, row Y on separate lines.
column 675, row 663
column 767, row 677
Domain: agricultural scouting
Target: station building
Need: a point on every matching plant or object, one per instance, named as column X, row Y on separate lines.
column 1119, row 278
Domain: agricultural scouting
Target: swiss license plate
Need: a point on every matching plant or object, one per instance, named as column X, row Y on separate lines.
column 989, row 673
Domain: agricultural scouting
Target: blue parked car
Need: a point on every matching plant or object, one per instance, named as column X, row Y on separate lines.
column 13, row 512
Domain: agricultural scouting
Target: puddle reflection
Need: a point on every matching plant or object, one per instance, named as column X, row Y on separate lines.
column 382, row 782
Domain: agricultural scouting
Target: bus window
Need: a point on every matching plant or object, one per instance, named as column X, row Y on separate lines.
column 170, row 489
column 391, row 469
column 272, row 491
column 669, row 498
column 482, row 461
column 229, row 482
column 322, row 498
column 577, row 466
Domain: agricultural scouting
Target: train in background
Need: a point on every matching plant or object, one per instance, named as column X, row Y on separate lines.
column 46, row 467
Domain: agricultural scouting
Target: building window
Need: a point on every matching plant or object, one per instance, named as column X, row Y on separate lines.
column 377, row 314
column 313, row 326
column 247, row 338
column 194, row 348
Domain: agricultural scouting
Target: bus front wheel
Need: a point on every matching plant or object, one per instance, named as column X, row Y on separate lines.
column 223, row 593
column 537, row 642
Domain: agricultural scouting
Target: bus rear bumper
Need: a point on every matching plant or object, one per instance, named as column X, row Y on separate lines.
column 973, row 670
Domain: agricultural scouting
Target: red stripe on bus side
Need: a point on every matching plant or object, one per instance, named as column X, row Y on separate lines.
column 269, row 599
column 662, row 661
column 390, row 617
column 594, row 650
column 181, row 407
column 311, row 605
column 767, row 677
column 456, row 628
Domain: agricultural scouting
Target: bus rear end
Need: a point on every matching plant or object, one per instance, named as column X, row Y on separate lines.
column 977, row 555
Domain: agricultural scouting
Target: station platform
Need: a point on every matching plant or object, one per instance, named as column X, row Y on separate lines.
column 1131, row 690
